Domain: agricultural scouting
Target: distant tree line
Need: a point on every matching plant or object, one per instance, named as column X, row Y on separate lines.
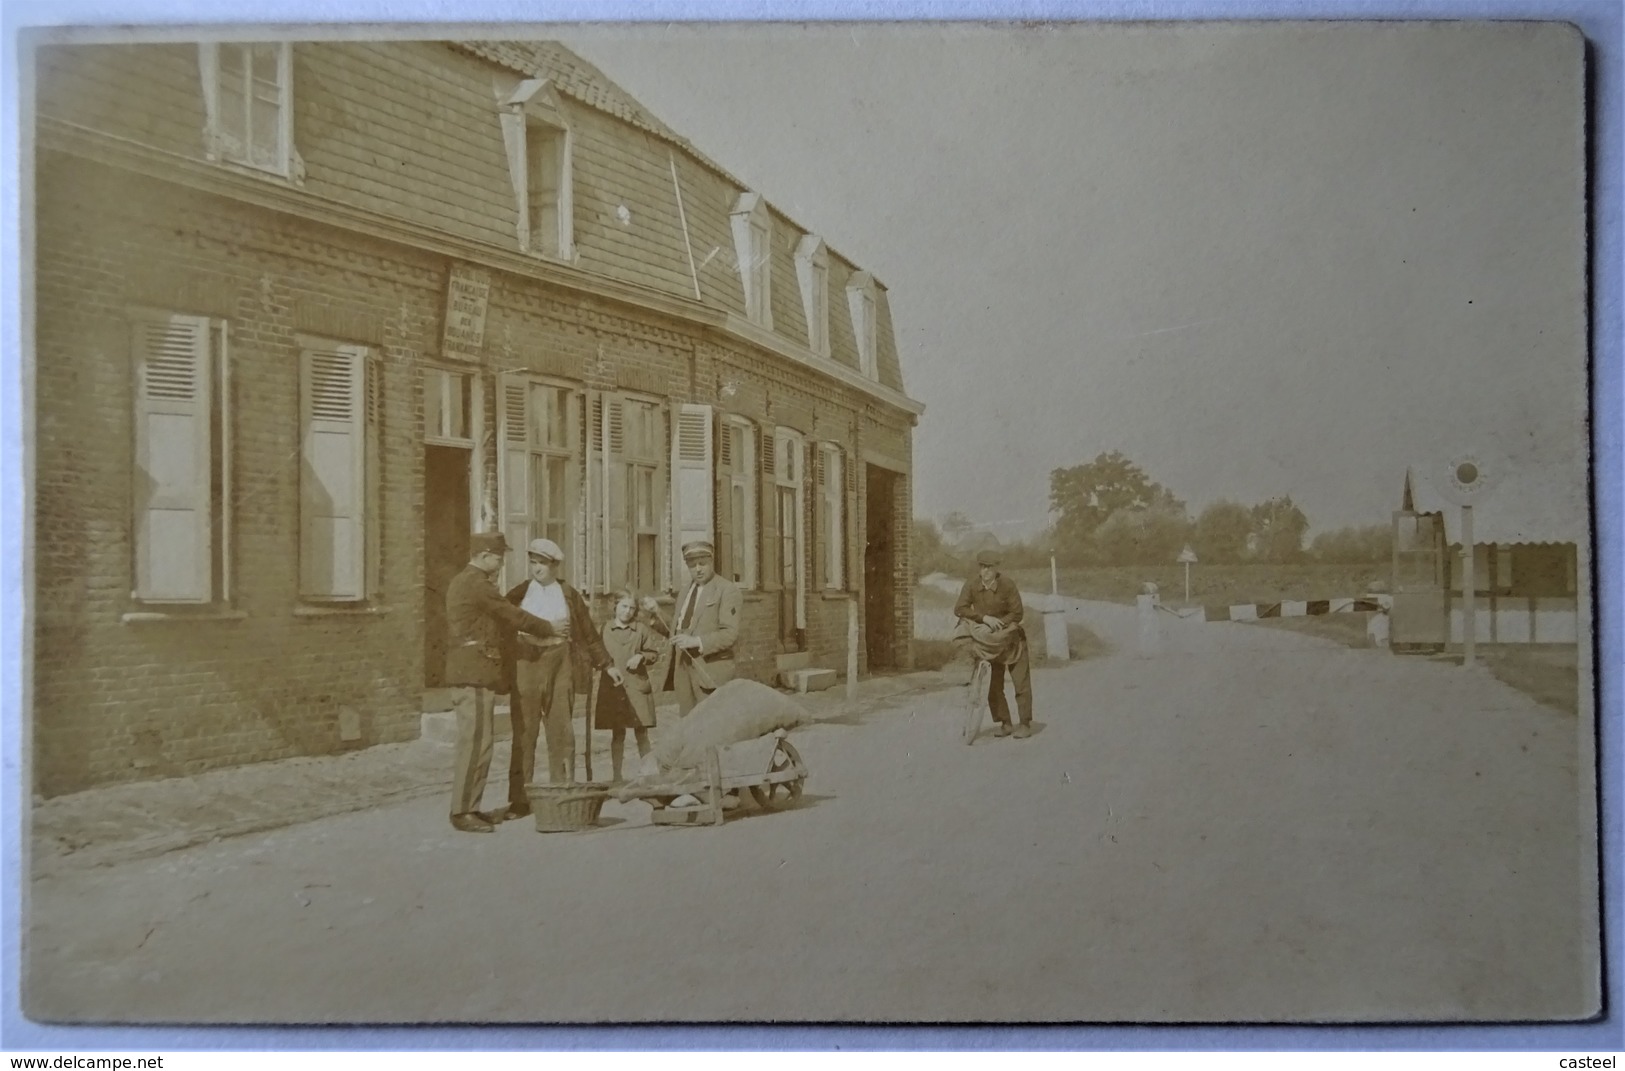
column 1109, row 512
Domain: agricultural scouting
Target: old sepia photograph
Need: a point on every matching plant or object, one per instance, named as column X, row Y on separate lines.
column 926, row 523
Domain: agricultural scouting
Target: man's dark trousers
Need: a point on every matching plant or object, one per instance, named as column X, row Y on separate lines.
column 1021, row 675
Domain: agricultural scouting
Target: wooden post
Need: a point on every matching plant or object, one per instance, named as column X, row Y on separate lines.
column 1469, row 584
column 1187, row 583
column 1054, row 588
column 852, row 649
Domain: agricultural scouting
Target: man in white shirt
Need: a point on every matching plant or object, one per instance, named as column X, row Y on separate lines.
column 545, row 672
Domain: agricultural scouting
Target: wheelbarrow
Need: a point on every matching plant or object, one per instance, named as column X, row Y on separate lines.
column 769, row 766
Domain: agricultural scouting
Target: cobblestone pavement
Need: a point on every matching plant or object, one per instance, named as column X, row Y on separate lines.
column 116, row 823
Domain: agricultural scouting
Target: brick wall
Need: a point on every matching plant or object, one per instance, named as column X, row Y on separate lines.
column 117, row 699
column 123, row 700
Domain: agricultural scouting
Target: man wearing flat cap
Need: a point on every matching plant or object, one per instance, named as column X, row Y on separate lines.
column 707, row 627
column 479, row 622
column 991, row 598
column 545, row 672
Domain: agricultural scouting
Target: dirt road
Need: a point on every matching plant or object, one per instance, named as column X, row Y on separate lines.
column 1252, row 824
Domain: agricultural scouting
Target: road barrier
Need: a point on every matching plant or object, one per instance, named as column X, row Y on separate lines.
column 1262, row 611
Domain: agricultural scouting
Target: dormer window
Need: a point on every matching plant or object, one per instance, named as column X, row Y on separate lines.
column 753, row 246
column 861, row 300
column 248, row 104
column 537, row 133
column 812, row 272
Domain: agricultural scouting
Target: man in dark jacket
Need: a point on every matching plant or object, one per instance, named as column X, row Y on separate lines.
column 479, row 623
column 545, row 672
column 991, row 598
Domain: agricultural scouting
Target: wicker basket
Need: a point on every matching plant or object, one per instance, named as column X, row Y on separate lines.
column 566, row 808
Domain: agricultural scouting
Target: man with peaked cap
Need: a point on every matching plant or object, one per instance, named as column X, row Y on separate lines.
column 479, row 623
column 546, row 671
column 991, row 598
column 705, row 629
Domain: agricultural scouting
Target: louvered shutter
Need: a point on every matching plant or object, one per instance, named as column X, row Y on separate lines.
column 854, row 532
column 818, row 520
column 722, row 502
column 691, row 476
column 593, row 467
column 574, row 486
column 513, row 437
column 618, row 501
column 172, row 519
column 767, row 503
column 333, row 546
column 373, row 518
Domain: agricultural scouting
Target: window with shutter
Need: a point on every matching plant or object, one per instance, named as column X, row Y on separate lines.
column 640, row 445
column 768, row 503
column 538, row 428
column 333, row 473
column 691, row 477
column 832, row 495
column 736, row 501
column 789, row 488
column 855, row 538
column 182, row 490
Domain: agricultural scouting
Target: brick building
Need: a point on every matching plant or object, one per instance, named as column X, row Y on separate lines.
column 305, row 314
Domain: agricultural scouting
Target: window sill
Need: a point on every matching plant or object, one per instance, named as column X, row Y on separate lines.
column 142, row 617
column 341, row 611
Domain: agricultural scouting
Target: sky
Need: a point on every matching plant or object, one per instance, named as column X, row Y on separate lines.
column 1258, row 259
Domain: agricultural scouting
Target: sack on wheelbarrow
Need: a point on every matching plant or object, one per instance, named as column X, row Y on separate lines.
column 738, row 711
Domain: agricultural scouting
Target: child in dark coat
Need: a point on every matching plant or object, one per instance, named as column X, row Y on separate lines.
column 633, row 647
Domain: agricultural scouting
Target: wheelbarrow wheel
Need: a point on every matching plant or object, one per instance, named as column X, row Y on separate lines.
column 777, row 794
column 772, row 797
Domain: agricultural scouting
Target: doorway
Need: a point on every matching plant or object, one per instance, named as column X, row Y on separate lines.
column 446, row 509
column 879, row 566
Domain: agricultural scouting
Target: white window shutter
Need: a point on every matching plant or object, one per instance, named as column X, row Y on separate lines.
column 332, row 486
column 513, row 473
column 172, row 456
column 373, row 456
column 692, row 487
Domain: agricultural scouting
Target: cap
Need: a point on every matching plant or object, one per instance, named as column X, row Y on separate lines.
column 483, row 542
column 987, row 557
column 698, row 548
column 545, row 548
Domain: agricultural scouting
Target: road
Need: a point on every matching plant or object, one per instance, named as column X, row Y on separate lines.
column 1251, row 825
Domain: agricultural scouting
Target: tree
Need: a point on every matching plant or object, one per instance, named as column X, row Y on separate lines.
column 1361, row 545
column 929, row 553
column 954, row 525
column 1278, row 529
column 1143, row 536
column 1084, row 496
column 1221, row 532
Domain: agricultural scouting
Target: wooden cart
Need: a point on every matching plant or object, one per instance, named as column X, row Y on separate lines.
column 769, row 766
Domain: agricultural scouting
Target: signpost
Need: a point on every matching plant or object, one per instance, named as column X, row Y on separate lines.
column 1465, row 479
column 1187, row 556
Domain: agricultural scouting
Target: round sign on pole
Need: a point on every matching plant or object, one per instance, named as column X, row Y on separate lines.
column 1466, row 477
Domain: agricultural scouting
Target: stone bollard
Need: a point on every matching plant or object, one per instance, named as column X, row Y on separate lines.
column 1150, row 627
column 1376, row 623
column 1056, row 644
